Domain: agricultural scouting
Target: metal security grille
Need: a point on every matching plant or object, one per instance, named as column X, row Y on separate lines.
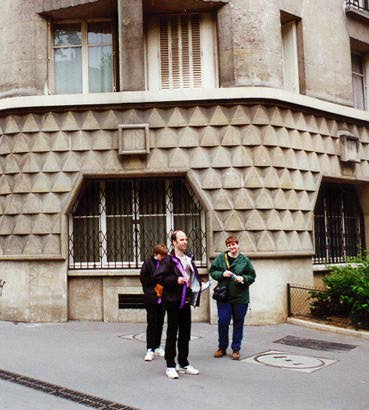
column 62, row 392
column 360, row 4
column 116, row 223
column 339, row 225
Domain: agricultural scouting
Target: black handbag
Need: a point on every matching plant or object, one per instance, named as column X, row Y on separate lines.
column 220, row 292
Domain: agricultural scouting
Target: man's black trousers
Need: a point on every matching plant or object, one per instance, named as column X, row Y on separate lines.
column 179, row 322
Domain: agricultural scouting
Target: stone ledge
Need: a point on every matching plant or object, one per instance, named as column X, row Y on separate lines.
column 329, row 328
column 194, row 96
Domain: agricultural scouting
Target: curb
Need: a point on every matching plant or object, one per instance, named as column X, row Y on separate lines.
column 329, row 328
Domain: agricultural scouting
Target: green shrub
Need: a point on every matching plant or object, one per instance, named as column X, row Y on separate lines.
column 347, row 293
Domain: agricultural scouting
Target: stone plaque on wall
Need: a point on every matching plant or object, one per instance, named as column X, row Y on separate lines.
column 133, row 139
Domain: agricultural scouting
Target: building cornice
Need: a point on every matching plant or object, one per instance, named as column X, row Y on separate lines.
column 174, row 97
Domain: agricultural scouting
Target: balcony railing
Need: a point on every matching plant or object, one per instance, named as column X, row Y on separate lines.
column 359, row 4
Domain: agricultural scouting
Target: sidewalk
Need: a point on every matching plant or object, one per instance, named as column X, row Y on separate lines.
column 105, row 360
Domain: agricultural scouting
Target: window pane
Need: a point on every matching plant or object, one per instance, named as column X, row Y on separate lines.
column 358, row 81
column 100, row 69
column 88, row 205
column 68, row 70
column 183, row 200
column 119, row 198
column 120, row 244
column 152, row 230
column 68, row 35
column 152, row 215
column 151, row 197
column 119, row 214
column 86, row 242
column 99, row 33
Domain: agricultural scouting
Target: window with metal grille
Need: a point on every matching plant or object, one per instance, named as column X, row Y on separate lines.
column 339, row 225
column 116, row 223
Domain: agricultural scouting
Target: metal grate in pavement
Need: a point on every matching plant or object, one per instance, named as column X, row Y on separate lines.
column 62, row 392
column 314, row 344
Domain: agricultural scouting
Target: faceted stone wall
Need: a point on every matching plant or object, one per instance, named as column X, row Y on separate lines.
column 257, row 166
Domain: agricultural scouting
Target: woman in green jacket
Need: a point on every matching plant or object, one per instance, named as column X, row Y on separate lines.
column 236, row 271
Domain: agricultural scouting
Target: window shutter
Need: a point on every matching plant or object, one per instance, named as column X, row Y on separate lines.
column 180, row 52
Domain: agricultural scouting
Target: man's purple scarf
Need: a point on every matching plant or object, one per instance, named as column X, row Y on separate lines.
column 183, row 273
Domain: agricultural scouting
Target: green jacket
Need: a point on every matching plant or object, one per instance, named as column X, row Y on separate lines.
column 238, row 292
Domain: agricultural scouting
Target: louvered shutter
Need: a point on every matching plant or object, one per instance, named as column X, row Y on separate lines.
column 180, row 52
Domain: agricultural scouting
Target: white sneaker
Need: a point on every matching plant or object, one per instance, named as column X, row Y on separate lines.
column 149, row 356
column 187, row 369
column 172, row 373
column 159, row 352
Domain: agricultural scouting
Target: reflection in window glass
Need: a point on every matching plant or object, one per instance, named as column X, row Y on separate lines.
column 68, row 71
column 100, row 69
column 68, row 35
column 99, row 33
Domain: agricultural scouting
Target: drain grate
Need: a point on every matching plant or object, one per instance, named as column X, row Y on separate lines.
column 62, row 392
column 314, row 344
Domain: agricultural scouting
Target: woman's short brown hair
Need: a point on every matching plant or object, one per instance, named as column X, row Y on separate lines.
column 231, row 239
column 160, row 249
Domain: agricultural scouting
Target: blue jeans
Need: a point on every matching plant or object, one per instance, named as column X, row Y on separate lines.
column 226, row 312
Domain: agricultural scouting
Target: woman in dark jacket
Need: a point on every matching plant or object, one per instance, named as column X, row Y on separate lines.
column 152, row 300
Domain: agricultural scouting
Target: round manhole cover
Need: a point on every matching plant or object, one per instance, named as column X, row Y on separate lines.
column 290, row 361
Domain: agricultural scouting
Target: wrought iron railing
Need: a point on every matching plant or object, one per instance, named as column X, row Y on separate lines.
column 300, row 299
column 359, row 4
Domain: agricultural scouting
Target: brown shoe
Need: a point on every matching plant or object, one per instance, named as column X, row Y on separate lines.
column 220, row 353
column 235, row 355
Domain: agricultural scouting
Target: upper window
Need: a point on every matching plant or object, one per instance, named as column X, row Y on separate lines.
column 290, row 56
column 181, row 52
column 82, row 57
column 358, row 81
column 338, row 224
column 116, row 223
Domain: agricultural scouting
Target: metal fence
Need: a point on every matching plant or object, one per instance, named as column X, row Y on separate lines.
column 299, row 300
column 360, row 4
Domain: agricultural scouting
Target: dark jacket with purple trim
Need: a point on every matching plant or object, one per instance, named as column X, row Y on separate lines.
column 167, row 274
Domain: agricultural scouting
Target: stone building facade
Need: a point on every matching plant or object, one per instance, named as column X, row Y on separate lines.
column 254, row 116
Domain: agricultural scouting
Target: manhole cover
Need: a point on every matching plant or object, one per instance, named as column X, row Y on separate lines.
column 290, row 361
column 314, row 344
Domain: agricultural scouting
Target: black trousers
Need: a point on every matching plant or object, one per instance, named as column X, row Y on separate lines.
column 155, row 319
column 179, row 322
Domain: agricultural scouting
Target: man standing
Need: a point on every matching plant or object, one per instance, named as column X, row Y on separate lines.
column 180, row 279
column 236, row 271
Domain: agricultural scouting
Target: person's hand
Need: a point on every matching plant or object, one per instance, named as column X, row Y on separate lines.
column 227, row 274
column 181, row 280
column 239, row 279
